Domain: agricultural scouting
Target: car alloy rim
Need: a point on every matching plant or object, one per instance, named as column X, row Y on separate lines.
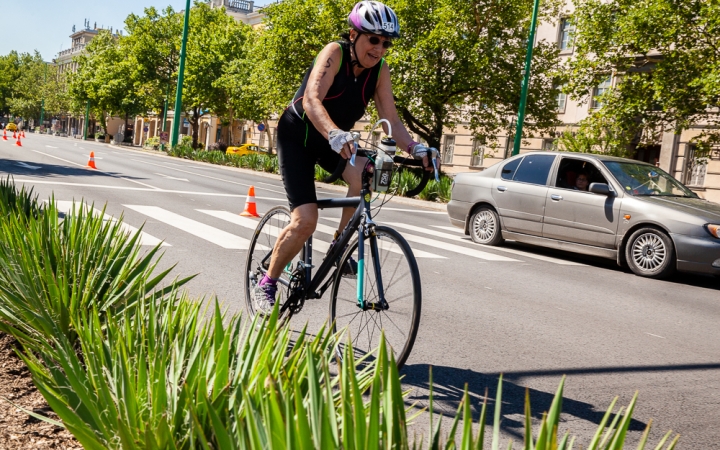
column 484, row 225
column 649, row 252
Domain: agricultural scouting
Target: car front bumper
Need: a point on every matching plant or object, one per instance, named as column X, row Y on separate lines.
column 697, row 254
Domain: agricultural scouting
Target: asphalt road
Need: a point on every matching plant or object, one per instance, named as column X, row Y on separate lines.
column 529, row 313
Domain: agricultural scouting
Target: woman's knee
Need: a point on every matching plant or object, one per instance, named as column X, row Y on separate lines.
column 304, row 219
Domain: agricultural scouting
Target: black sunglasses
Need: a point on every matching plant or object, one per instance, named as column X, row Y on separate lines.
column 374, row 40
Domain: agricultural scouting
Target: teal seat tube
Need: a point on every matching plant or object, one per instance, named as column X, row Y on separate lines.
column 361, row 271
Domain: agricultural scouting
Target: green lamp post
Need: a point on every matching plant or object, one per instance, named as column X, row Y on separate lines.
column 181, row 74
column 526, row 80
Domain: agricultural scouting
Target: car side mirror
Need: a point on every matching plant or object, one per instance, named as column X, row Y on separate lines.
column 601, row 188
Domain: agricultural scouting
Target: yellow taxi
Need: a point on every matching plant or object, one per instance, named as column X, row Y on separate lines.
column 246, row 149
column 11, row 126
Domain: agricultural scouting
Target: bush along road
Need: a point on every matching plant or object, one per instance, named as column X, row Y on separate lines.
column 126, row 360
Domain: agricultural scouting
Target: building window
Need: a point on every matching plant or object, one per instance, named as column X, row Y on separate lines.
column 274, row 142
column 449, row 149
column 695, row 168
column 561, row 100
column 478, row 151
column 598, row 91
column 567, row 30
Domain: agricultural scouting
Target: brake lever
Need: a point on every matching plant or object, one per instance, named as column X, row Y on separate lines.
column 356, row 138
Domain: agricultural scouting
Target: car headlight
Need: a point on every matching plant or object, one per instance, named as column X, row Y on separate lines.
column 713, row 229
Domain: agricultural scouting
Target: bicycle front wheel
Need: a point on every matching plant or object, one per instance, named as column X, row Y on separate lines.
column 259, row 253
column 398, row 316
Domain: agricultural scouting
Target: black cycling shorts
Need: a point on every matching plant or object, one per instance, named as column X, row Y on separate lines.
column 300, row 146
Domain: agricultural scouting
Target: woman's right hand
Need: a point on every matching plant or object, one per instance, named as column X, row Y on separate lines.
column 342, row 142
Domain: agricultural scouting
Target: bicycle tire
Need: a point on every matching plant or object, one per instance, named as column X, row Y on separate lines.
column 407, row 313
column 262, row 242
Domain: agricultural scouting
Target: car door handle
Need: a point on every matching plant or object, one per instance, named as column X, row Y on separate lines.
column 556, row 197
column 501, row 188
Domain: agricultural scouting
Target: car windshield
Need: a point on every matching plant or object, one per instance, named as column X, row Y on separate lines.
column 646, row 180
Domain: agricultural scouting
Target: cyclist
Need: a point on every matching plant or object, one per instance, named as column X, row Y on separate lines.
column 315, row 128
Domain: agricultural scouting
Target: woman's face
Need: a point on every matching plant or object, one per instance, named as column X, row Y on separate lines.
column 368, row 54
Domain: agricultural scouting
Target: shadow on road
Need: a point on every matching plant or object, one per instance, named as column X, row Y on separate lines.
column 449, row 385
column 30, row 168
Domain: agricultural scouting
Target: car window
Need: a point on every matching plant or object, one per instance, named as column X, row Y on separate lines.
column 509, row 169
column 578, row 174
column 534, row 169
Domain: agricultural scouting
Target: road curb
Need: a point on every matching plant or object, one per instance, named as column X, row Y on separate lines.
column 435, row 206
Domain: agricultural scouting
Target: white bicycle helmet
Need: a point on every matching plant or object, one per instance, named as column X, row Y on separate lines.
column 374, row 17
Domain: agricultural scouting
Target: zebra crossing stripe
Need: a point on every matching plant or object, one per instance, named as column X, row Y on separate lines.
column 459, row 238
column 453, row 248
column 67, row 207
column 199, row 229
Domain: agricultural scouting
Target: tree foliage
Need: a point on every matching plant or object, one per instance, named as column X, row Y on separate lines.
column 455, row 61
column 666, row 55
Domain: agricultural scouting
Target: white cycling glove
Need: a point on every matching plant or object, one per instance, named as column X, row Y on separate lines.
column 420, row 151
column 338, row 138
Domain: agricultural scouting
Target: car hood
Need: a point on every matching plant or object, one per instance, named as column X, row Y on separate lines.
column 695, row 206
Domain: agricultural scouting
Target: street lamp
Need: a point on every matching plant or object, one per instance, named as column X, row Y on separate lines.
column 526, row 80
column 42, row 105
column 181, row 73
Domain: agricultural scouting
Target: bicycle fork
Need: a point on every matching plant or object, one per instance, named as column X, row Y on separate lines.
column 382, row 303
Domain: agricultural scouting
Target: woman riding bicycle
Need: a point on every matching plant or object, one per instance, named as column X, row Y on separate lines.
column 315, row 128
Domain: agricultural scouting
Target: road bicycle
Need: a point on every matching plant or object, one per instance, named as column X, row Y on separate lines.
column 384, row 295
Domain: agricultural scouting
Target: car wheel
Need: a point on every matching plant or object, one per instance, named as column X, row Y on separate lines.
column 650, row 253
column 485, row 227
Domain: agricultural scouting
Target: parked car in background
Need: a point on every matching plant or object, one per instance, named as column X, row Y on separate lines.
column 246, row 149
column 626, row 210
column 11, row 126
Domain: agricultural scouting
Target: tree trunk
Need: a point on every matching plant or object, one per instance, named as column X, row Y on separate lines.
column 230, row 131
column 269, row 136
column 195, row 122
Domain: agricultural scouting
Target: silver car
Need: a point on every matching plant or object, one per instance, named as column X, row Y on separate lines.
column 616, row 208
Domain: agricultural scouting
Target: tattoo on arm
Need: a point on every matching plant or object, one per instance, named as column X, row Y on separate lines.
column 324, row 72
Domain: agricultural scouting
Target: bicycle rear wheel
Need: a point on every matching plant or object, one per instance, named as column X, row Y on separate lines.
column 259, row 253
column 400, row 318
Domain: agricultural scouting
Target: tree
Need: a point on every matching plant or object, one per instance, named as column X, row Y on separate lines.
column 214, row 40
column 455, row 61
column 666, row 56
column 26, row 90
column 104, row 78
column 9, row 73
column 153, row 45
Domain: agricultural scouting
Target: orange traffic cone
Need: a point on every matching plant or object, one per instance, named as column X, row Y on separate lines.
column 250, row 207
column 91, row 161
column 14, row 135
column 18, row 143
column 4, row 135
column 23, row 134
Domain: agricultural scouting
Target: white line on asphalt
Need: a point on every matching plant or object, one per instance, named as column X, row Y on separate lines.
column 50, row 146
column 27, row 166
column 212, row 178
column 106, row 173
column 251, row 224
column 68, row 207
column 453, row 248
column 447, row 228
column 500, row 249
column 655, row 335
column 201, row 230
column 322, row 228
column 172, row 178
column 424, row 211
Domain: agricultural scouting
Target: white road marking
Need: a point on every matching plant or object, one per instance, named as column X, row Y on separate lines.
column 251, row 224
column 128, row 188
column 393, row 248
column 27, row 166
column 419, row 210
column 106, row 173
column 213, row 178
column 449, row 228
column 68, row 207
column 500, row 249
column 450, row 247
column 201, row 230
column 172, row 178
column 655, row 335
column 50, row 146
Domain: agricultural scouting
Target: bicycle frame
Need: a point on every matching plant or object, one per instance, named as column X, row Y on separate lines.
column 361, row 222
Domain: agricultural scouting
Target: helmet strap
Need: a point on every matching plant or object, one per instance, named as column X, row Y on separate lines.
column 356, row 61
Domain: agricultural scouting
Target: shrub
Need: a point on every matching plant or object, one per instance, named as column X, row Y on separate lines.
column 218, row 146
column 153, row 142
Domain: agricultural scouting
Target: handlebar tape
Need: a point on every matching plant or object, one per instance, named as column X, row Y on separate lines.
column 337, row 173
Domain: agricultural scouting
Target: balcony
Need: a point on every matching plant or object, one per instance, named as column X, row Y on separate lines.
column 72, row 51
